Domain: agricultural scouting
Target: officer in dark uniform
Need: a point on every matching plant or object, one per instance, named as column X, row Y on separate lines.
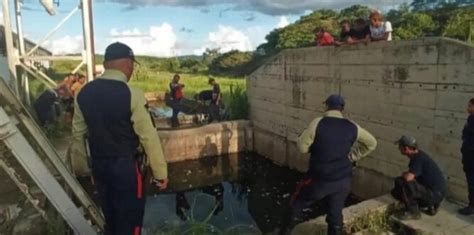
column 116, row 122
column 467, row 151
column 329, row 140
column 423, row 185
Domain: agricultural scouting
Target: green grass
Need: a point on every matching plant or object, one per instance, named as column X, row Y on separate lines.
column 194, row 83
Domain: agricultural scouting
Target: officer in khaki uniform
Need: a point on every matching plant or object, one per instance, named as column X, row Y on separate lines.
column 114, row 121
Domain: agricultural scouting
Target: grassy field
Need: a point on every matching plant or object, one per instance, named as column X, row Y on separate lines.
column 151, row 80
column 194, row 83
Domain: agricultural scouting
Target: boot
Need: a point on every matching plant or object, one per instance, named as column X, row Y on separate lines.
column 468, row 210
column 412, row 212
column 334, row 230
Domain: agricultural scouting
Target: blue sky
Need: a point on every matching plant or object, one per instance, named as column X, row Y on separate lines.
column 175, row 27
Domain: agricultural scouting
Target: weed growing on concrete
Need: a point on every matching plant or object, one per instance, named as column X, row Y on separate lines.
column 194, row 226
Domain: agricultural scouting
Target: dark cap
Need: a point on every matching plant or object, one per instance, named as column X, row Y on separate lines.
column 117, row 51
column 335, row 101
column 407, row 141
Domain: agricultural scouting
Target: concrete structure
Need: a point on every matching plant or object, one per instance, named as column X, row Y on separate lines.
column 209, row 140
column 218, row 139
column 418, row 88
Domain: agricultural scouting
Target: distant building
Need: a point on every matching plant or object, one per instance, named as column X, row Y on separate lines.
column 4, row 73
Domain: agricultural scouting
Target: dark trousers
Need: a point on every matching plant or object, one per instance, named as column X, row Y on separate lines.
column 468, row 167
column 120, row 186
column 332, row 195
column 214, row 112
column 176, row 106
column 414, row 194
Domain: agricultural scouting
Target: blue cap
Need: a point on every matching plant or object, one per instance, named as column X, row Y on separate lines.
column 118, row 50
column 335, row 101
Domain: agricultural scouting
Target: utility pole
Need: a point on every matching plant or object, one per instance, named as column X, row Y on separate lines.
column 10, row 48
column 24, row 84
column 87, row 20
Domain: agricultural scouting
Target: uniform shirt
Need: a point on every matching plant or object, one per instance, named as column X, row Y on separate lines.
column 468, row 137
column 142, row 127
column 427, row 172
column 378, row 32
column 365, row 142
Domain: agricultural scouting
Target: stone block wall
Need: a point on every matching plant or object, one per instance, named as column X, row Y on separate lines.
column 418, row 88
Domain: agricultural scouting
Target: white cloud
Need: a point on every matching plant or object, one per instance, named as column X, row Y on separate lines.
column 1, row 16
column 283, row 22
column 270, row 7
column 226, row 38
column 158, row 41
column 65, row 45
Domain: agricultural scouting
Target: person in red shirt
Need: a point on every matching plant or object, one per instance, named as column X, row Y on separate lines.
column 177, row 95
column 322, row 37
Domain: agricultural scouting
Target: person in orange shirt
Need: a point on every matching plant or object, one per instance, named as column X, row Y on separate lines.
column 322, row 37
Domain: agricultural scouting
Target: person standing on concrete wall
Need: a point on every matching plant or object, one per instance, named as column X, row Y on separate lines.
column 467, row 151
column 330, row 141
column 216, row 101
column 177, row 95
column 422, row 185
column 118, row 127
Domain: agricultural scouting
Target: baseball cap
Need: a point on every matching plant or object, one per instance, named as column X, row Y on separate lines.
column 119, row 50
column 335, row 101
column 407, row 141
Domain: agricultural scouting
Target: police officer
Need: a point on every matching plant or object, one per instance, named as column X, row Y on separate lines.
column 116, row 122
column 467, row 151
column 423, row 185
column 329, row 140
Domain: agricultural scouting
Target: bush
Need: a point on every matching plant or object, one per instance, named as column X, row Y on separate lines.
column 231, row 63
column 238, row 103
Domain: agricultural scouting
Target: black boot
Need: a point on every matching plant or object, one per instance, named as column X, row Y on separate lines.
column 468, row 210
column 334, row 230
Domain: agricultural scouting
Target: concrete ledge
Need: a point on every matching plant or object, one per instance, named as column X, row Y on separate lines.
column 447, row 222
column 210, row 140
column 351, row 215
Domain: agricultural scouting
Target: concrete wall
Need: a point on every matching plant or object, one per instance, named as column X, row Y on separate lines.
column 219, row 139
column 209, row 140
column 418, row 88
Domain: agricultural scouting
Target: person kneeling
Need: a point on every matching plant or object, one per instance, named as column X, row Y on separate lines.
column 422, row 186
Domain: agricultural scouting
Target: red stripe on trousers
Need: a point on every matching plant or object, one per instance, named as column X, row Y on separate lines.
column 137, row 230
column 303, row 183
column 139, row 183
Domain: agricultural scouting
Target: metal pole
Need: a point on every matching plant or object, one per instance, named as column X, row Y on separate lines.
column 11, row 56
column 58, row 26
column 22, row 50
column 37, row 170
column 86, row 6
